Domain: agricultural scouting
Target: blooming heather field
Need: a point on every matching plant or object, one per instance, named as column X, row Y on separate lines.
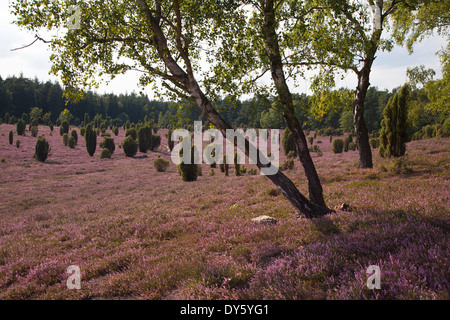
column 139, row 234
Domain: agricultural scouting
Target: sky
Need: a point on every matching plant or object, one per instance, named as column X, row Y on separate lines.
column 388, row 71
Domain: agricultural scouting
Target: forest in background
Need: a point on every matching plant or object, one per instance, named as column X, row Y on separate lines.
column 25, row 98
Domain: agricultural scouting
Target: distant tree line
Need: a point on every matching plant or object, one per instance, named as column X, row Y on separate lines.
column 23, row 98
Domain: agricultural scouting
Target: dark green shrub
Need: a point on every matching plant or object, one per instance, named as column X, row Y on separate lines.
column 199, row 170
column 427, row 132
column 33, row 123
column 352, row 146
column 91, row 140
column 17, row 143
column 155, row 142
column 116, row 131
column 2, row 160
column 223, row 166
column 82, row 131
column 374, row 143
column 131, row 132
column 170, row 143
column 71, row 142
column 160, row 164
column 20, row 127
column 11, row 135
column 394, row 126
column 331, row 139
column 237, row 166
column 144, row 138
column 287, row 165
column 64, row 128
column 291, row 154
column 34, row 131
column 288, row 142
column 347, row 141
column 41, row 149
column 252, row 172
column 189, row 172
column 311, row 140
column 129, row 146
column 109, row 144
column 105, row 154
column 337, row 145
column 65, row 138
column 74, row 134
column 51, row 126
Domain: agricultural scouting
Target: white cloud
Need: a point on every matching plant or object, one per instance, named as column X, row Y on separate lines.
column 389, row 70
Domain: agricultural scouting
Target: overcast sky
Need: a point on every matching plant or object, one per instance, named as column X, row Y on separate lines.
column 388, row 72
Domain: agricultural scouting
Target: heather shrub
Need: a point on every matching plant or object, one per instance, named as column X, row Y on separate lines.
column 65, row 138
column 90, row 139
column 337, row 145
column 109, row 144
column 17, row 143
column 160, row 164
column 71, row 142
column 105, row 154
column 74, row 134
column 41, row 149
column 20, row 127
column 10, row 136
column 288, row 142
column 131, row 132
column 129, row 146
column 287, row 165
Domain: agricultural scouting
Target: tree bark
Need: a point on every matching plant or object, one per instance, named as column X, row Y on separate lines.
column 285, row 96
column 362, row 134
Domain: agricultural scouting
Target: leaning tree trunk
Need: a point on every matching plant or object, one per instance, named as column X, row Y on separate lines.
column 304, row 206
column 187, row 82
column 362, row 134
column 285, row 96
